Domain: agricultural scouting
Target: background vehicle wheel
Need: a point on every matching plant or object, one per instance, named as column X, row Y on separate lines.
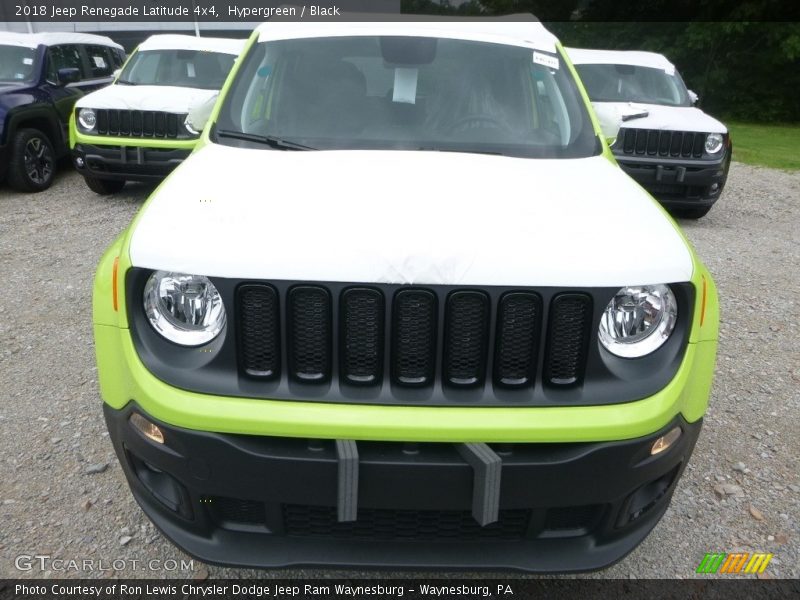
column 33, row 162
column 104, row 186
column 692, row 213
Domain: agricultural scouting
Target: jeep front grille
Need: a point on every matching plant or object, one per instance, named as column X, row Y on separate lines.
column 656, row 142
column 141, row 124
column 324, row 330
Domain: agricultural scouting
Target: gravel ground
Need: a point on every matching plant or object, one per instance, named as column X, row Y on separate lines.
column 63, row 494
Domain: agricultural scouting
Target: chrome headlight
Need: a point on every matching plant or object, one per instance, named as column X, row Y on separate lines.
column 87, row 118
column 185, row 309
column 714, row 142
column 638, row 320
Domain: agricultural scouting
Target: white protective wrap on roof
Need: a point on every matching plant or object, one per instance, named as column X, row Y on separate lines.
column 32, row 40
column 620, row 57
column 190, row 42
column 528, row 34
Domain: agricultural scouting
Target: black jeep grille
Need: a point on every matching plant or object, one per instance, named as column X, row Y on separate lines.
column 656, row 142
column 141, row 124
column 459, row 345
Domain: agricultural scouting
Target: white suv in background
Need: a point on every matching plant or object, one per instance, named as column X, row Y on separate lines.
column 672, row 148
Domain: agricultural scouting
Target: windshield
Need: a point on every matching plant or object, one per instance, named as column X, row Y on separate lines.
column 182, row 68
column 406, row 93
column 16, row 63
column 629, row 83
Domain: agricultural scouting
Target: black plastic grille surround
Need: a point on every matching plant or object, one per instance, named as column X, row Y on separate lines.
column 409, row 345
column 141, row 124
column 665, row 143
column 305, row 520
column 393, row 524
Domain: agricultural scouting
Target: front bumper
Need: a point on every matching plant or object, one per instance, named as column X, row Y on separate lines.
column 260, row 501
column 127, row 163
column 678, row 182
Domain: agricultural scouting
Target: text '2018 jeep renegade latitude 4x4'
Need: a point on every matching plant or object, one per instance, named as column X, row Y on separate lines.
column 385, row 314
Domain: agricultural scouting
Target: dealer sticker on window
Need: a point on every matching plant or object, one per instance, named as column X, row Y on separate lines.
column 545, row 59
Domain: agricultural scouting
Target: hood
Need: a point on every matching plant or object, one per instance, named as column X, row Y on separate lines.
column 146, row 97
column 675, row 118
column 407, row 217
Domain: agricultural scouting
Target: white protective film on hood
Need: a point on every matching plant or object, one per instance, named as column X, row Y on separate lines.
column 670, row 118
column 407, row 217
column 146, row 97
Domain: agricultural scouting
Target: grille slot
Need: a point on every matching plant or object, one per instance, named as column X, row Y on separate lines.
column 309, row 332
column 362, row 324
column 259, row 330
column 568, row 338
column 518, row 326
column 414, row 352
column 236, row 511
column 394, row 524
column 652, row 142
column 467, row 329
column 572, row 517
column 140, row 123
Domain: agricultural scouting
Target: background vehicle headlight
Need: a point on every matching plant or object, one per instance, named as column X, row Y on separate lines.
column 185, row 309
column 87, row 118
column 638, row 320
column 714, row 142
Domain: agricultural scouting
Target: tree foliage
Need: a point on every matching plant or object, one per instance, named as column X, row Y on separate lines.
column 742, row 69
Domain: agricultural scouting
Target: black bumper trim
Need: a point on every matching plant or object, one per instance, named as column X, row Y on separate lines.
column 561, row 505
column 678, row 182
column 128, row 163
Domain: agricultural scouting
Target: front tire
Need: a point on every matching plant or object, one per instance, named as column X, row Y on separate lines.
column 32, row 167
column 104, row 187
column 692, row 213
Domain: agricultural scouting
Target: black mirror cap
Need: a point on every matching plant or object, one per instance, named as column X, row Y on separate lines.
column 68, row 75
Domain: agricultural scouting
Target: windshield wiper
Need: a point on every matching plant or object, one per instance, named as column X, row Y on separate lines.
column 268, row 140
column 125, row 82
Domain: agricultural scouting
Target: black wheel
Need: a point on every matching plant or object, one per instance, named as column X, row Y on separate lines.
column 104, row 187
column 692, row 213
column 33, row 163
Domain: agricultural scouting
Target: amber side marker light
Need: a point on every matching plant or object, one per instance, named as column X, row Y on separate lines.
column 114, row 283
column 149, row 430
column 665, row 441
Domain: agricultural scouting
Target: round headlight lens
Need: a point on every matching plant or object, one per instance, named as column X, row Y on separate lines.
column 87, row 118
column 638, row 320
column 714, row 142
column 185, row 309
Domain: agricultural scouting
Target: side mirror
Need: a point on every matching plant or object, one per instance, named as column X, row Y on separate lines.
column 199, row 113
column 610, row 120
column 68, row 75
column 693, row 98
column 116, row 73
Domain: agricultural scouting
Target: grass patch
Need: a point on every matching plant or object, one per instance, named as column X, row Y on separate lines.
column 776, row 146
